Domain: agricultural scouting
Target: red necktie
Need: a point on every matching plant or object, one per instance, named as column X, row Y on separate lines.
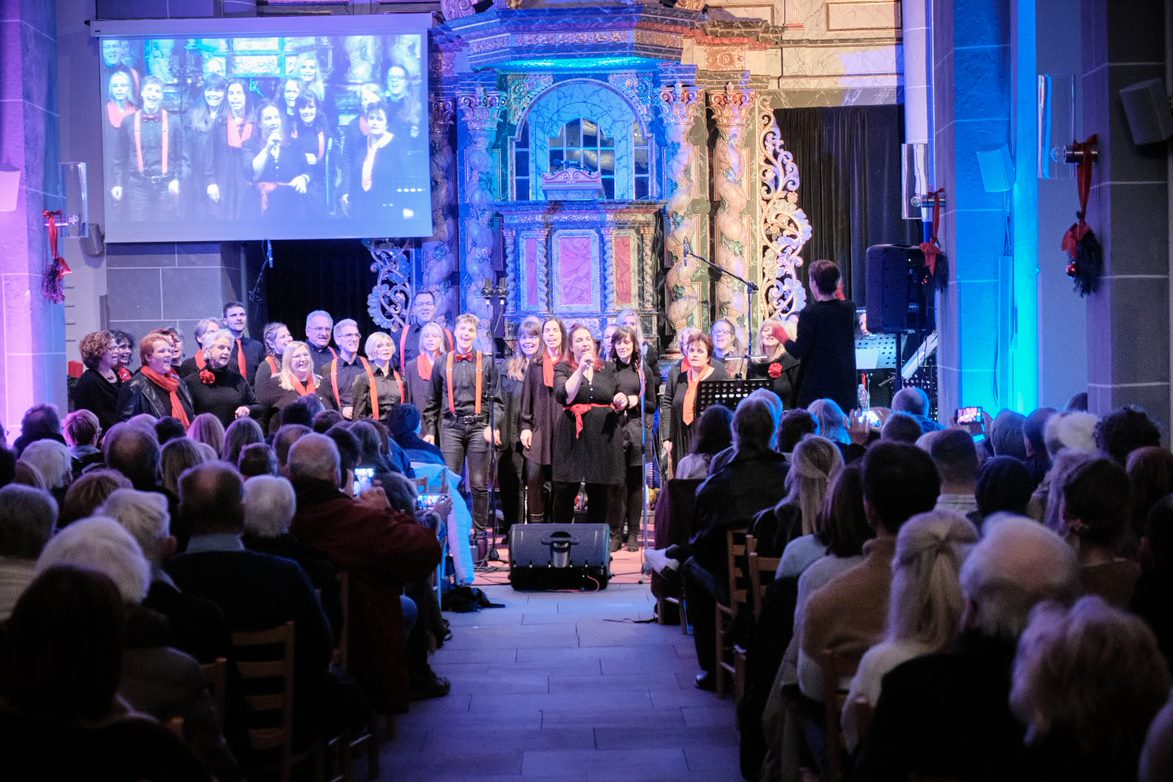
column 240, row 362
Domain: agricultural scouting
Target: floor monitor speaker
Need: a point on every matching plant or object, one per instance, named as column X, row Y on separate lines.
column 559, row 556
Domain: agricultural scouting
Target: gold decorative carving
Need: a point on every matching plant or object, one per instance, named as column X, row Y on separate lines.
column 784, row 228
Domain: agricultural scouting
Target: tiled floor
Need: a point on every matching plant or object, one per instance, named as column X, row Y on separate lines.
column 565, row 686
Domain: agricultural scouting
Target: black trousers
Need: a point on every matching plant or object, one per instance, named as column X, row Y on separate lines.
column 511, row 467
column 538, row 490
column 146, row 200
column 462, row 440
column 631, row 499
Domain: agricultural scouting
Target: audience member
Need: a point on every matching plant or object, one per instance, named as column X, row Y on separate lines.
column 241, row 432
column 326, row 419
column 40, row 422
column 848, row 613
column 914, row 401
column 831, row 420
column 1077, row 403
column 1037, row 460
column 1045, row 503
column 813, row 466
column 53, row 462
column 155, row 679
column 380, row 549
column 286, row 436
column 404, row 424
column 1004, row 485
column 948, row 714
column 1122, row 431
column 135, row 454
column 1150, row 475
column 27, row 517
column 1072, row 430
column 1006, row 434
column 956, row 458
column 88, row 492
column 796, row 424
column 207, row 428
column 63, row 719
column 752, row 479
column 168, row 428
column 1152, row 600
column 1156, row 758
column 1087, row 683
column 82, row 431
column 257, row 459
column 7, row 466
column 924, row 612
column 714, row 433
column 901, row 428
column 1095, row 516
column 25, row 474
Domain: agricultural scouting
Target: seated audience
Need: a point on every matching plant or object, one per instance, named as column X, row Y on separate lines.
column 40, row 422
column 167, row 429
column 901, row 428
column 380, row 549
column 326, row 419
column 207, row 429
column 1072, row 430
column 796, row 424
column 155, row 679
column 82, row 431
column 257, row 459
column 134, row 453
column 714, row 433
column 286, row 436
column 404, row 424
column 241, row 432
column 956, row 458
column 1087, row 683
column 1095, row 516
column 1037, row 460
column 814, row 464
column 1122, row 431
column 1046, row 502
column 53, row 462
column 831, row 420
column 1156, row 758
column 1150, row 474
column 848, row 613
column 948, row 714
column 913, row 401
column 27, row 517
column 1006, row 435
column 924, row 611
column 62, row 717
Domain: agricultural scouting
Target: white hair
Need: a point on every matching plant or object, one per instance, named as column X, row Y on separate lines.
column 51, row 459
column 269, row 505
column 1018, row 564
column 145, row 516
column 104, row 545
column 1075, row 431
column 223, row 335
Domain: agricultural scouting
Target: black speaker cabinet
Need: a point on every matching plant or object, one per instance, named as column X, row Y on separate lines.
column 900, row 294
column 559, row 556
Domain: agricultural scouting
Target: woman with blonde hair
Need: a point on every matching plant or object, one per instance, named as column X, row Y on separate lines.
column 775, row 364
column 831, row 420
column 295, row 380
column 789, row 526
column 433, row 344
column 380, row 387
column 511, row 467
column 924, row 610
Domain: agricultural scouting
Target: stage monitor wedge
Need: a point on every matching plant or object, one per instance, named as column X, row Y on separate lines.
column 264, row 128
column 559, row 556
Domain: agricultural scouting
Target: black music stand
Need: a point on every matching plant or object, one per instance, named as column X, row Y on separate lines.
column 727, row 392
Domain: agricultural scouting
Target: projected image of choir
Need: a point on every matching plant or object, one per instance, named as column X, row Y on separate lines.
column 336, row 132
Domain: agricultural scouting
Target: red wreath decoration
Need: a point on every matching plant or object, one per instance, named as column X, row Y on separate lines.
column 935, row 260
column 775, row 370
column 1085, row 256
column 206, row 377
column 53, row 286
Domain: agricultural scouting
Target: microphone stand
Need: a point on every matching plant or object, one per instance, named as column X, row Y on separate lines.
column 751, row 290
column 490, row 292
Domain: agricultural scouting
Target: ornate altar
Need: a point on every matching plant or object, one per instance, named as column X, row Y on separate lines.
column 585, row 261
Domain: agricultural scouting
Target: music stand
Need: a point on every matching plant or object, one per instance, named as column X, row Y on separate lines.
column 726, row 392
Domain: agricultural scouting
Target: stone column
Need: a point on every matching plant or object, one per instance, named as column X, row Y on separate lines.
column 679, row 108
column 732, row 236
column 1128, row 316
column 480, row 111
column 32, row 329
column 439, row 256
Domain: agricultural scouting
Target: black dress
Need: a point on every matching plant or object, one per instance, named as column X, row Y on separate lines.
column 539, row 413
column 826, row 346
column 676, row 431
column 780, row 373
column 98, row 395
column 595, row 455
column 627, row 380
column 227, row 391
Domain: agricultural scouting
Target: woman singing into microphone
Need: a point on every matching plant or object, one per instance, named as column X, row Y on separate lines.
column 633, row 375
column 280, row 173
column 588, row 438
column 539, row 415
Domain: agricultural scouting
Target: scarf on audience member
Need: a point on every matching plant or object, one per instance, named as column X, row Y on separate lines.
column 170, row 384
column 690, row 394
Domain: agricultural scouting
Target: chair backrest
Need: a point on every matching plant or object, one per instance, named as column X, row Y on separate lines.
column 679, row 512
column 216, row 675
column 264, row 659
column 342, row 653
column 735, row 553
column 761, row 573
column 838, row 664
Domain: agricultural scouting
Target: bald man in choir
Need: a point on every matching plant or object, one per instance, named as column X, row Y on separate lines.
column 150, row 161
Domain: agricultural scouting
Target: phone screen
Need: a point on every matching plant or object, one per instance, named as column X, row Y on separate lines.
column 427, row 501
column 363, row 479
column 969, row 415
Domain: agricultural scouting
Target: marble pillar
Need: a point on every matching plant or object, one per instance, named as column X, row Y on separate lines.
column 732, row 234
column 679, row 108
column 1129, row 211
column 480, row 111
column 32, row 329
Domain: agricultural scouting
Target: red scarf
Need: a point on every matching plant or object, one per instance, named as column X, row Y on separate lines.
column 272, row 365
column 308, row 388
column 124, row 374
column 548, row 363
column 115, row 115
column 170, row 384
column 690, row 394
column 579, row 411
column 239, row 131
column 201, row 362
column 423, row 366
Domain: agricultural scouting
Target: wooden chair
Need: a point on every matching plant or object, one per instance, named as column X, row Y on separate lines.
column 674, row 521
column 216, row 675
column 837, row 665
column 346, row 744
column 268, row 688
column 738, row 599
column 761, row 574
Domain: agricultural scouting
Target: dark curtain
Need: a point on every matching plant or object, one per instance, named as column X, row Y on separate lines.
column 333, row 275
column 849, row 162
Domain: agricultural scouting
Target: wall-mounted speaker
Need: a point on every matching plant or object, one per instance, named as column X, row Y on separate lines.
column 1146, row 105
column 900, row 294
column 996, row 168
